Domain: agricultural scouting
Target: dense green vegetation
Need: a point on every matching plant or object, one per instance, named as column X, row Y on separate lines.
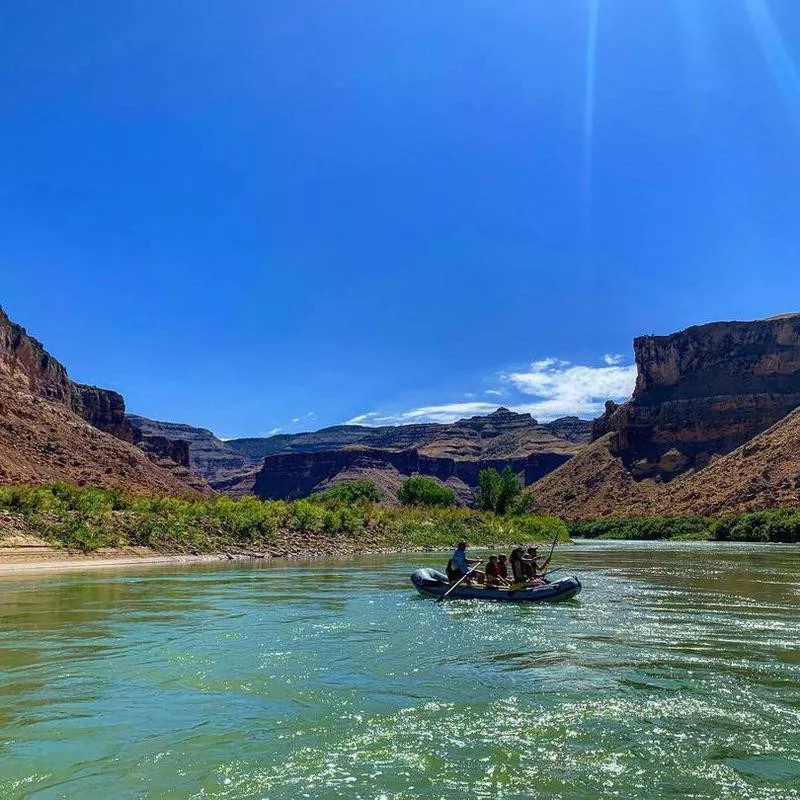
column 499, row 492
column 423, row 491
column 87, row 519
column 774, row 525
column 350, row 492
column 644, row 528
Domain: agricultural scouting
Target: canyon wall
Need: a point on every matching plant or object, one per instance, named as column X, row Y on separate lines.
column 292, row 475
column 53, row 429
column 702, row 393
column 25, row 362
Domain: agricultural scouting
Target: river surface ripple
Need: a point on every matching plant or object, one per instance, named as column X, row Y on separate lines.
column 675, row 674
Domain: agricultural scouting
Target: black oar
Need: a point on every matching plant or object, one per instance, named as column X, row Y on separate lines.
column 462, row 578
column 550, row 556
column 551, row 571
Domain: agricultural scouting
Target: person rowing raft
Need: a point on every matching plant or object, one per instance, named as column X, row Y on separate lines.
column 459, row 565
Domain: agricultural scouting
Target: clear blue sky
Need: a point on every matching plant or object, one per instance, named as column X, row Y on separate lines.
column 240, row 214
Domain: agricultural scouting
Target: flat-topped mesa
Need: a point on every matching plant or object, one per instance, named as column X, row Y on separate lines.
column 25, row 362
column 292, row 475
column 703, row 392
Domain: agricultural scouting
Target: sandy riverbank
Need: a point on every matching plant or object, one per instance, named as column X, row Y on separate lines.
column 30, row 554
column 31, row 557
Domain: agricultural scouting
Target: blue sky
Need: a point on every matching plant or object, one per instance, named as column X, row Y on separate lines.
column 257, row 215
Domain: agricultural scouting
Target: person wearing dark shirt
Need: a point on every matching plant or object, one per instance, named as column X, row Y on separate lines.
column 502, row 566
column 492, row 573
column 460, row 565
column 517, row 569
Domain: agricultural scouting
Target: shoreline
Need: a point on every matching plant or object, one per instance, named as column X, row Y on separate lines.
column 40, row 558
column 56, row 560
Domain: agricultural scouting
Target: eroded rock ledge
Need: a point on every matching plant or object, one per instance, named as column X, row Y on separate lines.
column 702, row 393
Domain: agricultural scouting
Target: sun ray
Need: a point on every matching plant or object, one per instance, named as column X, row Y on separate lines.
column 777, row 54
column 589, row 106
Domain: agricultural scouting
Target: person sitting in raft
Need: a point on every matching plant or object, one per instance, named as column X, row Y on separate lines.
column 502, row 568
column 532, row 567
column 518, row 574
column 459, row 565
column 538, row 570
column 523, row 567
column 529, row 563
column 492, row 579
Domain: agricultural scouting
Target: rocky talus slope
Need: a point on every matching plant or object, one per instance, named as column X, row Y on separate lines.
column 710, row 428
column 762, row 473
column 53, row 429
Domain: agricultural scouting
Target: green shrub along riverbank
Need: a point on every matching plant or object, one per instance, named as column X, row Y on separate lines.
column 774, row 525
column 86, row 519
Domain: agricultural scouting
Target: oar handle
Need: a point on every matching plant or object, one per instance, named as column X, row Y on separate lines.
column 458, row 582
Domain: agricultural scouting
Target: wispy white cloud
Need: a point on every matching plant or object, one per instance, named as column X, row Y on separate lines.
column 548, row 388
column 295, row 420
column 564, row 389
column 447, row 412
column 469, row 395
column 311, row 414
column 274, row 431
column 364, row 419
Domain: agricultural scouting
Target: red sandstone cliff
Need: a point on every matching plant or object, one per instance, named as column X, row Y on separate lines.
column 24, row 361
column 54, row 429
column 703, row 392
column 694, row 437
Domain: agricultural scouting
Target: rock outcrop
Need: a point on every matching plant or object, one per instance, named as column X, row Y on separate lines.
column 24, row 360
column 52, row 429
column 703, row 392
column 233, row 467
column 293, row 475
column 102, row 408
column 197, row 448
column 711, row 429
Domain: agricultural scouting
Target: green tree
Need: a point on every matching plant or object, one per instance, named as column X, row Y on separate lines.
column 487, row 494
column 422, row 491
column 498, row 491
column 351, row 492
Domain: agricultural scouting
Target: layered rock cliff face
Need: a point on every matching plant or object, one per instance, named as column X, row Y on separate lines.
column 504, row 431
column 453, row 454
column 703, row 392
column 712, row 428
column 52, row 429
column 293, row 475
column 198, row 448
column 234, row 466
column 24, row 360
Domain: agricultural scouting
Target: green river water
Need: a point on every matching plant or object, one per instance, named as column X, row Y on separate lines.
column 675, row 674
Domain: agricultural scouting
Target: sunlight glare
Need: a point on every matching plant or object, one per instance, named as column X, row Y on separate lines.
column 588, row 107
column 780, row 60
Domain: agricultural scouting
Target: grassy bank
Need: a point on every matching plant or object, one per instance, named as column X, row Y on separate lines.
column 775, row 525
column 87, row 519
